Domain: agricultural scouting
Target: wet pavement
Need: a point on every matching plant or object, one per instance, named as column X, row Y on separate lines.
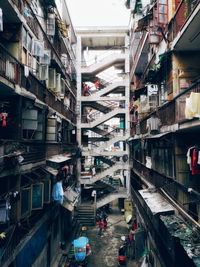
column 105, row 248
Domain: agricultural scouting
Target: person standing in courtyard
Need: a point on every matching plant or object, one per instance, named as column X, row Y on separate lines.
column 101, row 225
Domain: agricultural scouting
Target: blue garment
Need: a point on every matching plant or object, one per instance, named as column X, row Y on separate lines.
column 80, row 248
column 57, row 192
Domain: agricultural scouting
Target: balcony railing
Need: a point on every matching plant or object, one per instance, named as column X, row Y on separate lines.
column 30, row 153
column 161, row 181
column 13, row 70
column 183, row 12
column 172, row 112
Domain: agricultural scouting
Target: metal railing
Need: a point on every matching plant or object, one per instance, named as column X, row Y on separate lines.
column 183, row 12
column 173, row 111
column 169, row 184
column 13, row 70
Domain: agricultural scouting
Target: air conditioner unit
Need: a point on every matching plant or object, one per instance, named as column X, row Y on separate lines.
column 46, row 59
column 38, row 48
column 51, row 24
column 58, row 83
column 153, row 125
column 52, row 78
column 62, row 92
column 44, row 72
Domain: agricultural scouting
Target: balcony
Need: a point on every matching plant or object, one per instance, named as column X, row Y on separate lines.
column 183, row 29
column 169, row 184
column 172, row 112
column 22, row 153
column 13, row 71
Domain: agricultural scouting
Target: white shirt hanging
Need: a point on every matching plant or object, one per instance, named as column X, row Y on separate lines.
column 26, row 71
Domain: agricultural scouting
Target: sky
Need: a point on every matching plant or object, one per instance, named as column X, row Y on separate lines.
column 98, row 12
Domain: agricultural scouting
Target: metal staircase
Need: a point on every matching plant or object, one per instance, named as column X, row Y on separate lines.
column 105, row 63
column 103, row 118
column 108, row 171
column 121, row 193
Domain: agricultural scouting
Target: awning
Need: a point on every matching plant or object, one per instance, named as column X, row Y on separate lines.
column 59, row 158
column 37, row 174
column 70, row 198
column 51, row 170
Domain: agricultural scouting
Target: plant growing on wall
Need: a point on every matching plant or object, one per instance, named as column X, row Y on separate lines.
column 187, row 7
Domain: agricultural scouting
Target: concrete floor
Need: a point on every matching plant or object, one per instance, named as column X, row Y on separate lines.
column 105, row 248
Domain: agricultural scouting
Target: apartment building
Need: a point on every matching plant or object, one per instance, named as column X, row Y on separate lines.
column 165, row 127
column 37, row 130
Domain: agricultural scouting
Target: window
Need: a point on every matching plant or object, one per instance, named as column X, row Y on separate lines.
column 27, row 48
column 162, row 12
column 38, row 48
column 37, row 196
column 47, row 191
column 44, row 72
column 25, row 201
column 46, row 58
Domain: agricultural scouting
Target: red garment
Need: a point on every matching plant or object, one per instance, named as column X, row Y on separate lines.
column 101, row 224
column 3, row 117
column 87, row 249
column 96, row 84
column 194, row 158
column 122, row 258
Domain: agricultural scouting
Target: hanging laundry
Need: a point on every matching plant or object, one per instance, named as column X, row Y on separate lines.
column 3, row 117
column 57, row 192
column 1, row 20
column 4, row 210
column 192, row 106
column 26, row 71
column 193, row 159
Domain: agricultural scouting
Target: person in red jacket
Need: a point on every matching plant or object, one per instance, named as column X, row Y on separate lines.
column 101, row 225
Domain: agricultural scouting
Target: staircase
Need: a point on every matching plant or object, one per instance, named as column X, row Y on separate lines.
column 104, row 118
column 121, row 193
column 109, row 171
column 109, row 162
column 86, row 214
column 110, row 142
column 103, row 64
column 108, row 89
column 98, row 106
column 109, row 110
